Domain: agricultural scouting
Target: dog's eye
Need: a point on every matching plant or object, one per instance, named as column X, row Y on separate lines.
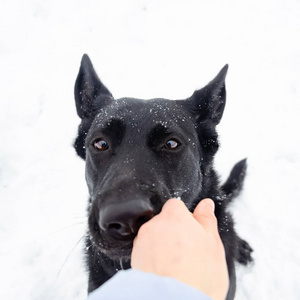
column 101, row 145
column 171, row 144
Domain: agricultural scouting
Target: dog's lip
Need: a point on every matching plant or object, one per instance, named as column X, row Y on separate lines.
column 117, row 254
column 108, row 245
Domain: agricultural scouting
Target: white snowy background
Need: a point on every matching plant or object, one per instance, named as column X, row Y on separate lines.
column 145, row 49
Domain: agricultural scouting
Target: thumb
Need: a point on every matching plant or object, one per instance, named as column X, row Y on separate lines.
column 204, row 214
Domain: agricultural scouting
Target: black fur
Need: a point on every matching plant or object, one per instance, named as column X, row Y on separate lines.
column 136, row 169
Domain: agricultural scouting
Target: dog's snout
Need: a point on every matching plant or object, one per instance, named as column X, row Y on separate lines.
column 123, row 220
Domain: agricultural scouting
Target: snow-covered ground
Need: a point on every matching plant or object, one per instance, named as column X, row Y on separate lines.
column 145, row 48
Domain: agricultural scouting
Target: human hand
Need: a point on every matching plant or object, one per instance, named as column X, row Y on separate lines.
column 176, row 243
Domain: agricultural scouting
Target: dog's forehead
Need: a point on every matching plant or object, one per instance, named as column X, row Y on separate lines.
column 137, row 111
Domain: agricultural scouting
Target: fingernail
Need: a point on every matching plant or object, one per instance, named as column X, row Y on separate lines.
column 209, row 204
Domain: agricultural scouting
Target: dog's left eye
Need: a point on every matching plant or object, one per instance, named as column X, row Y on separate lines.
column 101, row 145
column 171, row 144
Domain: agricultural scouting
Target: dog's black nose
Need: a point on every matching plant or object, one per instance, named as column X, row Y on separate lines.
column 123, row 220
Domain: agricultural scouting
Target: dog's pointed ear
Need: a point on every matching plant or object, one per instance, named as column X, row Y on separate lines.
column 209, row 102
column 90, row 93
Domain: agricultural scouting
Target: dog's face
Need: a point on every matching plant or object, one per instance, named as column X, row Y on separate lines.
column 140, row 153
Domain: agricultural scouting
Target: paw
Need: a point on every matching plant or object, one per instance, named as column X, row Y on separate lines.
column 244, row 252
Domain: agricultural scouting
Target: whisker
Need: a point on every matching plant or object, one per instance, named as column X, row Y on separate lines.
column 121, row 264
column 66, row 259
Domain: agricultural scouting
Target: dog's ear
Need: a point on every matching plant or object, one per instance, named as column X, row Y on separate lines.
column 90, row 93
column 208, row 103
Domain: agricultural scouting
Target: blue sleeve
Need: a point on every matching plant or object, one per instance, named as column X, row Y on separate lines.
column 137, row 285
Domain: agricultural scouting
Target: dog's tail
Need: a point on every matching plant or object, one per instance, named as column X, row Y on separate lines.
column 234, row 182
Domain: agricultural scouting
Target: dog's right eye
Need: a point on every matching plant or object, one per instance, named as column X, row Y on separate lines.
column 101, row 145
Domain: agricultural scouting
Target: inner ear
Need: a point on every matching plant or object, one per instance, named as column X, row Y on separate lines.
column 209, row 102
column 90, row 93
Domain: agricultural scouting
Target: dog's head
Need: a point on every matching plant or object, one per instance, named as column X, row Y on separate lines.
column 139, row 153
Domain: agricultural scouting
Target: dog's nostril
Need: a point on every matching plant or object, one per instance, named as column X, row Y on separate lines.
column 114, row 226
column 119, row 230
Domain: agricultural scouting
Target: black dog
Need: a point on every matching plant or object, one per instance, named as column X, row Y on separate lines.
column 139, row 154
